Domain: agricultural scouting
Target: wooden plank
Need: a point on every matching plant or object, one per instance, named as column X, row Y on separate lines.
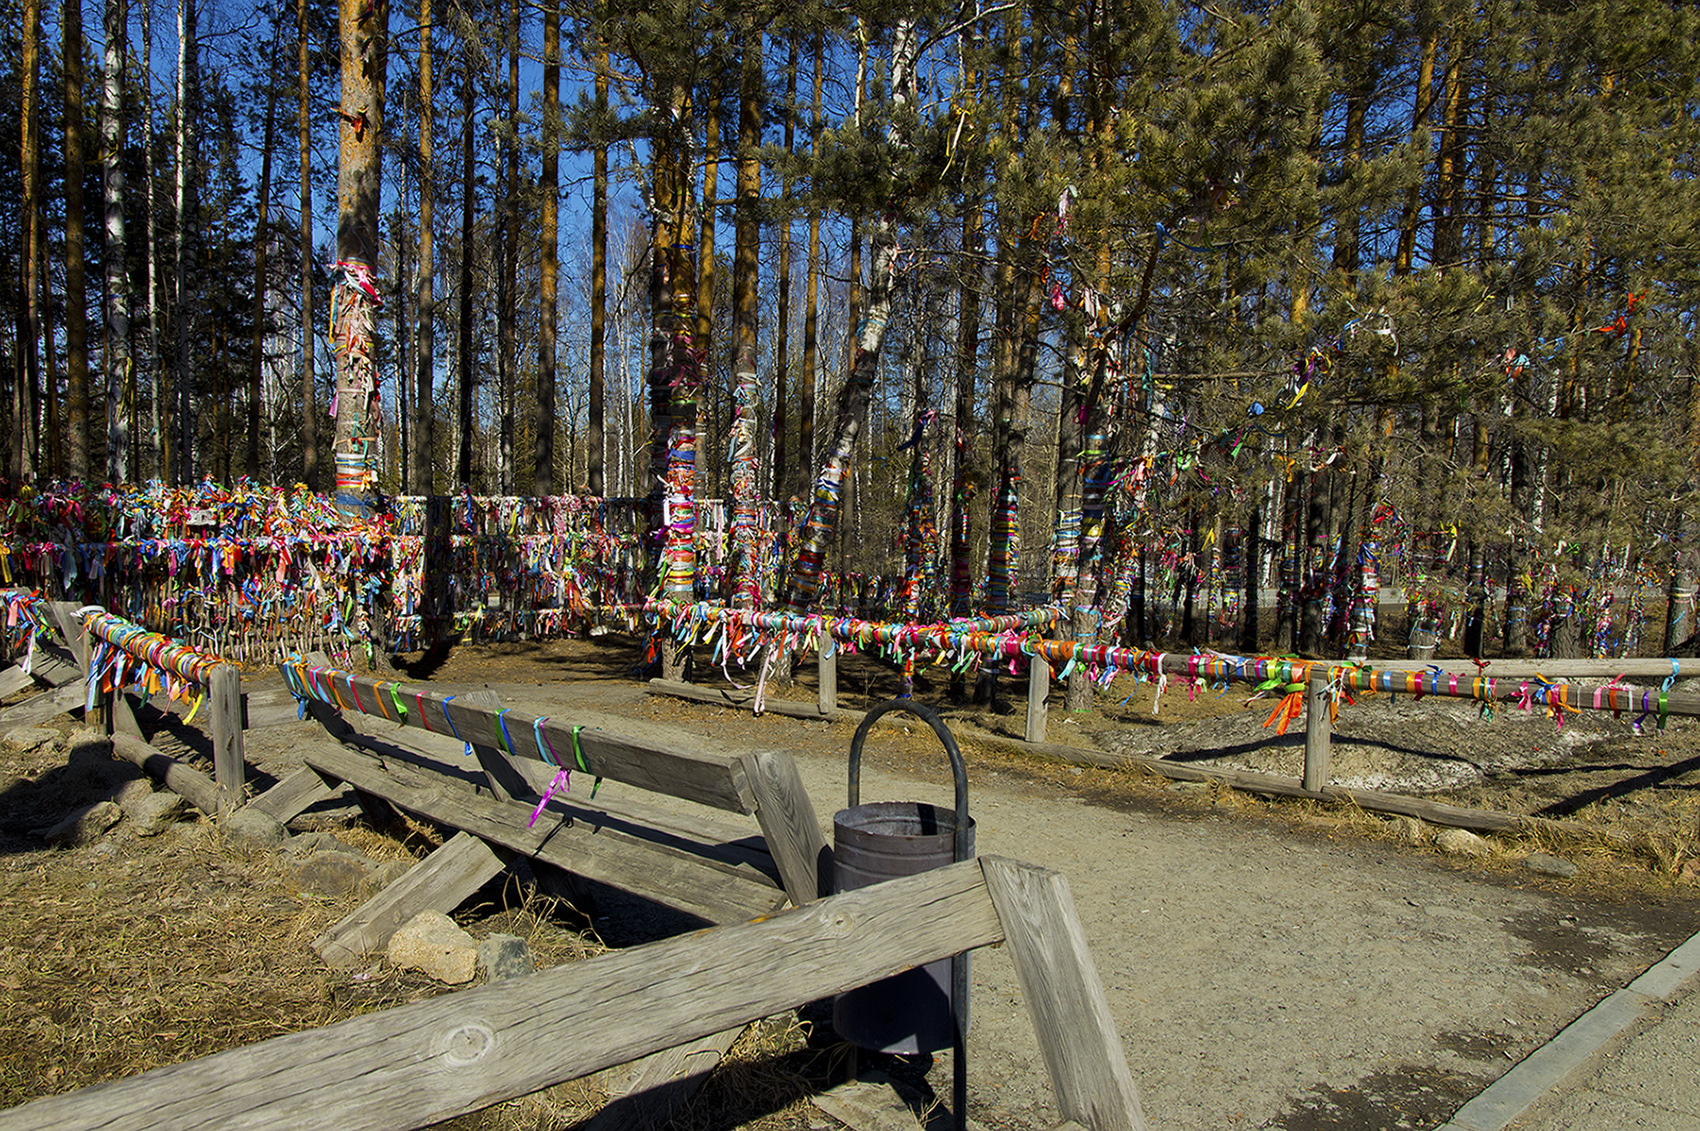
column 614, row 808
column 1319, row 732
column 436, row 1059
column 658, row 1087
column 54, row 665
column 505, row 781
column 224, row 700
column 293, row 796
column 715, row 780
column 49, row 704
column 13, row 680
column 121, row 713
column 268, row 707
column 826, row 662
column 731, row 697
column 440, row 882
column 1038, row 694
column 1077, row 1036
column 790, row 827
column 71, row 631
column 664, row 873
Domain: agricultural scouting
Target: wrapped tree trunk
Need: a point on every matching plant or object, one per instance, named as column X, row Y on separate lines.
column 354, row 302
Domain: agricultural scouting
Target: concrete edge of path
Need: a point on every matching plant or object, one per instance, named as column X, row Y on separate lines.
column 1542, row 1070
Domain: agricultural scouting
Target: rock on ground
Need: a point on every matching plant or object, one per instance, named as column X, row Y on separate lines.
column 1461, row 842
column 83, row 825
column 1549, row 865
column 255, row 829
column 154, row 813
column 332, row 874
column 433, row 944
column 505, row 956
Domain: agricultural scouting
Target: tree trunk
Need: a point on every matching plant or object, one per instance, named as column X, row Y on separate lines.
column 465, row 350
column 77, row 424
column 24, row 436
column 118, row 361
column 183, row 380
column 543, row 464
column 363, row 33
column 782, row 305
column 309, row 347
column 262, row 244
column 423, row 454
column 506, row 299
column 598, row 285
column 746, row 267
column 805, row 460
column 883, row 287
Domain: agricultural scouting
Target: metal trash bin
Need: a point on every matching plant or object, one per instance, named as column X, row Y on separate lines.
column 925, row 1009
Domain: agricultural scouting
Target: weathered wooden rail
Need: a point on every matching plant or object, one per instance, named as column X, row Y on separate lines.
column 463, row 1052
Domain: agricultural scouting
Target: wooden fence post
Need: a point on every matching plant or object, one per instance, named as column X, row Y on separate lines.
column 224, row 695
column 1038, row 689
column 1318, row 733
column 826, row 659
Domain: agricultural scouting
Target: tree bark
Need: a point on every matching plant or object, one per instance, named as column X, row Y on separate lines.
column 593, row 441
column 425, row 361
column 465, row 351
column 363, row 33
column 77, row 423
column 183, row 381
column 309, row 351
column 262, row 245
column 118, row 361
column 745, row 346
column 543, row 464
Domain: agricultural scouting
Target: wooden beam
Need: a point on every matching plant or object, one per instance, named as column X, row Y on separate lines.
column 1319, row 732
column 71, row 631
column 440, row 882
column 49, row 704
column 659, row 870
column 13, row 680
column 730, row 697
column 790, row 827
column 1038, row 693
column 826, row 664
column 224, row 701
column 708, row 779
column 463, row 1052
column 1077, row 1035
column 294, row 795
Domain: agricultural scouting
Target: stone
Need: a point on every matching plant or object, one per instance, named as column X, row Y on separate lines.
column 254, row 829
column 154, row 813
column 26, row 740
column 433, row 944
column 332, row 874
column 1410, row 830
column 83, row 825
column 319, row 841
column 132, row 793
column 1189, row 787
column 505, row 956
column 1461, row 842
column 1549, row 865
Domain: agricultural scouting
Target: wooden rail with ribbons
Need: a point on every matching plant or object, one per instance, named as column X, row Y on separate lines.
column 531, row 765
column 122, row 658
column 451, row 1055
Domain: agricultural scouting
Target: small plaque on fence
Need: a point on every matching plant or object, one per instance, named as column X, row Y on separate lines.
column 202, row 517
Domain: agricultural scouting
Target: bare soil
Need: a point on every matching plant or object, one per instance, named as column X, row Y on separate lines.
column 1269, row 964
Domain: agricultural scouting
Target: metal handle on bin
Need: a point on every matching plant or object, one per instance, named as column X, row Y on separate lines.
column 958, row 770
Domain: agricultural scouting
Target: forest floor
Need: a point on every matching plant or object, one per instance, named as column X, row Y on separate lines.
column 1277, row 964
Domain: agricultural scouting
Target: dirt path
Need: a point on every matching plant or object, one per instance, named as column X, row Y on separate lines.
column 1262, row 972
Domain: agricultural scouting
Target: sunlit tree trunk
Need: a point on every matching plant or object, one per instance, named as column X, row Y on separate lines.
column 183, row 379
column 363, row 33
column 262, row 245
column 77, row 423
column 425, row 360
column 543, row 464
column 304, row 126
column 118, row 361
column 598, row 285
column 24, row 435
column 745, row 347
